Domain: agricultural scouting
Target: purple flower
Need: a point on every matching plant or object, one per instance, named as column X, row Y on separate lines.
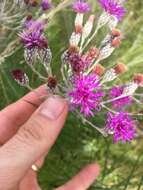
column 45, row 4
column 80, row 6
column 33, row 36
column 33, row 39
column 113, row 7
column 86, row 94
column 121, row 125
column 119, row 103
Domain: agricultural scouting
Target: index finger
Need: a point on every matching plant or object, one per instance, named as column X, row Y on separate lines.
column 16, row 114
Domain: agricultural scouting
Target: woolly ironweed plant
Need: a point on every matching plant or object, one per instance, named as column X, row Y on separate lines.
column 121, row 163
column 85, row 83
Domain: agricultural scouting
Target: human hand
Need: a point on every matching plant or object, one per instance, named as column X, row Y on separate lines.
column 28, row 129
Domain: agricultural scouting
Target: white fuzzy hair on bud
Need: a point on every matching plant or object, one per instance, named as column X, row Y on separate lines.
column 74, row 39
column 79, row 19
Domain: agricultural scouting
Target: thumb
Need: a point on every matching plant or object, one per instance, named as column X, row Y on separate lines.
column 32, row 140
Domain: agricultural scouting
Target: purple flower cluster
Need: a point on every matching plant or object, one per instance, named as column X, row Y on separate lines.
column 113, row 7
column 86, row 94
column 32, row 36
column 80, row 6
column 121, row 125
column 119, row 103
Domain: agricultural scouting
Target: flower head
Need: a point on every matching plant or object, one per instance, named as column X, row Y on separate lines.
column 86, row 94
column 80, row 6
column 119, row 103
column 45, row 4
column 33, row 39
column 113, row 7
column 121, row 125
column 33, row 36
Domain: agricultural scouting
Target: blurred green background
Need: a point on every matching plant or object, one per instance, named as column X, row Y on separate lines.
column 121, row 164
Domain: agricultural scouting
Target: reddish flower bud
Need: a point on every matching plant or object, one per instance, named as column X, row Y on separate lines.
column 93, row 53
column 20, row 77
column 29, row 16
column 116, row 32
column 138, row 78
column 116, row 42
column 52, row 82
column 120, row 68
column 99, row 69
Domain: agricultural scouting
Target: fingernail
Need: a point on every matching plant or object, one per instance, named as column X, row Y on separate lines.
column 52, row 107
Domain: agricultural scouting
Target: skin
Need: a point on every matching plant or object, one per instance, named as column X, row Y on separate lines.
column 28, row 129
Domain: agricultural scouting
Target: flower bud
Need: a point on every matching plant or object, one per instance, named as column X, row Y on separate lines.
column 52, row 82
column 120, row 68
column 138, row 79
column 92, row 54
column 116, row 42
column 29, row 16
column 99, row 69
column 20, row 77
column 116, row 32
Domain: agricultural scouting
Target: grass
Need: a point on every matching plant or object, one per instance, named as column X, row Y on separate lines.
column 122, row 164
